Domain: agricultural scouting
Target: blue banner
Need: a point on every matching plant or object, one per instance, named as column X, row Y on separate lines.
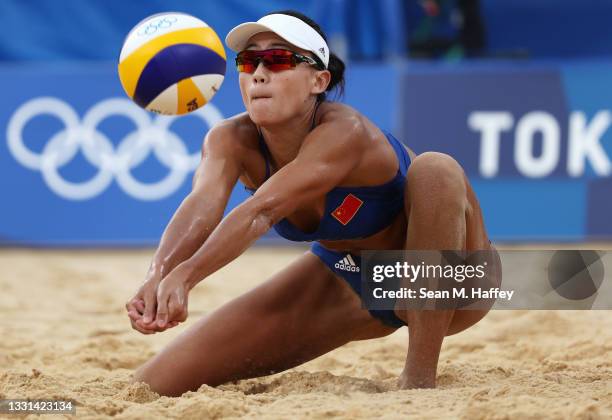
column 81, row 164
column 534, row 139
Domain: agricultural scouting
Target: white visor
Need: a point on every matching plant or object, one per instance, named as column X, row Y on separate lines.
column 291, row 29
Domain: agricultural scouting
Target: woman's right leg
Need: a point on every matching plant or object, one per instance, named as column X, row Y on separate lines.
column 299, row 314
column 443, row 214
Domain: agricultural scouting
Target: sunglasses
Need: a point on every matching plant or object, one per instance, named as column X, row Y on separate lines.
column 274, row 60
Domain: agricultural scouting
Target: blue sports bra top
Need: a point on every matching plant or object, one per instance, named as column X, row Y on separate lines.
column 352, row 212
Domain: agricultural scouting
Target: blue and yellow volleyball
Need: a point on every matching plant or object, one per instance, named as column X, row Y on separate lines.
column 172, row 63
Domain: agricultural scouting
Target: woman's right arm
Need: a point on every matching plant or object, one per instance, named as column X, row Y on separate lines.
column 197, row 216
column 202, row 210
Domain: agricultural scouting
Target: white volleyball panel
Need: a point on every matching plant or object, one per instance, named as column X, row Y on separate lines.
column 155, row 26
column 208, row 84
column 166, row 103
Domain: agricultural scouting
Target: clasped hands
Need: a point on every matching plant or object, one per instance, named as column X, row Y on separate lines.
column 159, row 304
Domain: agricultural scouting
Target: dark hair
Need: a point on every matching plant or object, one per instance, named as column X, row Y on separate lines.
column 335, row 65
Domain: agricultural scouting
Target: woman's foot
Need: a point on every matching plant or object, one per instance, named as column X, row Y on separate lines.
column 406, row 381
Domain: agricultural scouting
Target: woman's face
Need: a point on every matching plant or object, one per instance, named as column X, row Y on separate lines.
column 275, row 97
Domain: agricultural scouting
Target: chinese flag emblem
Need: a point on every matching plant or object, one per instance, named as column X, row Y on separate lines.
column 345, row 212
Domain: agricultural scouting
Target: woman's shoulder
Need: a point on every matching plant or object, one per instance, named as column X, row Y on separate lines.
column 348, row 120
column 332, row 111
column 345, row 116
column 237, row 132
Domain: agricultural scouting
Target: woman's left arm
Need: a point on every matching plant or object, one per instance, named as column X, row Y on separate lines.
column 327, row 156
column 329, row 153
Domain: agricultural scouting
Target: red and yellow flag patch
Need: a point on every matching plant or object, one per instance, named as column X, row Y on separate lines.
column 345, row 212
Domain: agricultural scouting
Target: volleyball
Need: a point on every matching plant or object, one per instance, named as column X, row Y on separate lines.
column 172, row 63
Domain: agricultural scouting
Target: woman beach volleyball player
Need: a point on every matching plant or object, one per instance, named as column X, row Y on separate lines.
column 318, row 171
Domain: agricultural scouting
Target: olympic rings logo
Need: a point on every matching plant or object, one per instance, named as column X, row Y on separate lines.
column 112, row 163
column 152, row 27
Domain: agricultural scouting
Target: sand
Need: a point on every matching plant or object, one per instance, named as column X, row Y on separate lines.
column 65, row 335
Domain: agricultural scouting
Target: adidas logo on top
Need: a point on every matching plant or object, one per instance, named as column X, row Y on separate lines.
column 347, row 264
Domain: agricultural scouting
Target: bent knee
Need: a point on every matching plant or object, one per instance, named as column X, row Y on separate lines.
column 436, row 167
column 144, row 374
column 437, row 175
column 158, row 381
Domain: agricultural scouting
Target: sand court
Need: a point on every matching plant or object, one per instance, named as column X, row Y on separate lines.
column 65, row 335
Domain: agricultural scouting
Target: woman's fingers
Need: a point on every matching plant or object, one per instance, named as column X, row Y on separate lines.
column 151, row 328
column 141, row 329
column 140, row 306
column 158, row 309
column 135, row 309
column 136, row 321
column 130, row 305
column 171, row 307
column 134, row 316
column 162, row 308
column 176, row 310
column 154, row 327
column 146, row 314
column 150, row 306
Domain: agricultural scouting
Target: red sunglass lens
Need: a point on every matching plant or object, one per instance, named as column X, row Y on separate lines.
column 246, row 67
column 275, row 60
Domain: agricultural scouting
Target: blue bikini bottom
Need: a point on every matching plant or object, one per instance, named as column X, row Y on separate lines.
column 348, row 266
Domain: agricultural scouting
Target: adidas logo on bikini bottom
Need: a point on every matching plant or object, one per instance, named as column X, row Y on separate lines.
column 347, row 264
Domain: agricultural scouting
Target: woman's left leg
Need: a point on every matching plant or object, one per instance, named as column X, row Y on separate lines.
column 443, row 214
